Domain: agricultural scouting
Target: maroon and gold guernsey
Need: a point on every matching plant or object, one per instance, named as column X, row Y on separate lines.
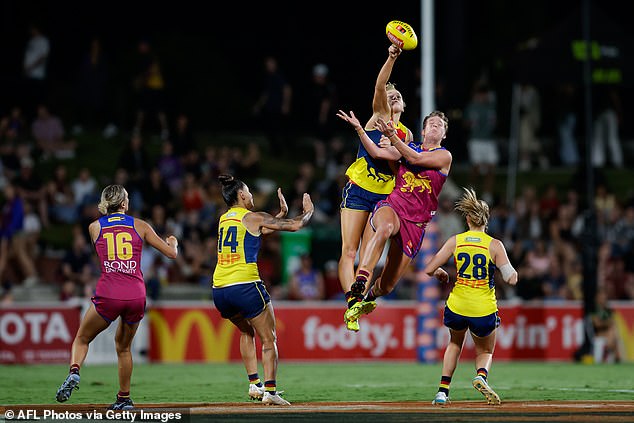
column 119, row 248
column 415, row 194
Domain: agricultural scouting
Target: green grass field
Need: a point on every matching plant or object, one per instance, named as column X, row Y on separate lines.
column 152, row 383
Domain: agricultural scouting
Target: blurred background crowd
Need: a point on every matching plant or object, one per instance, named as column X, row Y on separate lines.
column 123, row 110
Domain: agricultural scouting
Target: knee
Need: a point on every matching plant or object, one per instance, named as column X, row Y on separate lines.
column 83, row 339
column 269, row 341
column 348, row 252
column 383, row 232
column 122, row 348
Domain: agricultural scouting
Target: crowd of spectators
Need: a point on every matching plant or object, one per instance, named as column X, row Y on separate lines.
column 174, row 187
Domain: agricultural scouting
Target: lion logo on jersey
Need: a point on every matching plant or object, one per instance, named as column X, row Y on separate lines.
column 412, row 182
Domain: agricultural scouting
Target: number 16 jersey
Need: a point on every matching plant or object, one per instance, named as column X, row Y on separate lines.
column 237, row 250
column 119, row 248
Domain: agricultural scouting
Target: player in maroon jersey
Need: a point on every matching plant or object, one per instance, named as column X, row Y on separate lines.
column 120, row 292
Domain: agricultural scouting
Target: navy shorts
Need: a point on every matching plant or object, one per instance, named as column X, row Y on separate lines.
column 479, row 326
column 247, row 299
column 131, row 311
column 356, row 198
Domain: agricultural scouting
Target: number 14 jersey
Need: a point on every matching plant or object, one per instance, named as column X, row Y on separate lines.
column 237, row 250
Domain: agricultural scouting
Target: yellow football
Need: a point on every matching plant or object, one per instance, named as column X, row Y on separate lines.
column 401, row 35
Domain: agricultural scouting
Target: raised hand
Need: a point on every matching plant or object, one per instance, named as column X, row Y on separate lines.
column 385, row 127
column 351, row 119
column 307, row 203
column 394, row 51
column 283, row 205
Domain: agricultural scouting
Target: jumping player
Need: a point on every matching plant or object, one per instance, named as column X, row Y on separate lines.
column 404, row 214
column 370, row 180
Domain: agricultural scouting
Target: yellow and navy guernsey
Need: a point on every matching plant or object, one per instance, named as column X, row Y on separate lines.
column 474, row 292
column 237, row 250
column 372, row 174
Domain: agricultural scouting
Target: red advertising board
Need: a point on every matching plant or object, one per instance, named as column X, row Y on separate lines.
column 185, row 333
column 315, row 331
column 195, row 332
column 37, row 334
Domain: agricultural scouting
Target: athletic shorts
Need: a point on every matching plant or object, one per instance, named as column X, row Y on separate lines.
column 356, row 198
column 410, row 235
column 479, row 326
column 247, row 299
column 131, row 311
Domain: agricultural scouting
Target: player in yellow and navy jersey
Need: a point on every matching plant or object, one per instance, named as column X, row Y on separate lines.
column 370, row 180
column 471, row 304
column 238, row 292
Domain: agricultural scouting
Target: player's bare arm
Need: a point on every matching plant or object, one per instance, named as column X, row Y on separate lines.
column 389, row 153
column 168, row 246
column 433, row 267
column 257, row 221
column 283, row 211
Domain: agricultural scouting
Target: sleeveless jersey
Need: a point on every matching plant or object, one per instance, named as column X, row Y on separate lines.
column 119, row 248
column 415, row 195
column 237, row 250
column 473, row 295
column 373, row 174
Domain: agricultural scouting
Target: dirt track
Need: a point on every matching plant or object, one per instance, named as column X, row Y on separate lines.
column 562, row 411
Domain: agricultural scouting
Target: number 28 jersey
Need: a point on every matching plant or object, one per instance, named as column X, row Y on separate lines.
column 473, row 295
column 119, row 248
column 237, row 250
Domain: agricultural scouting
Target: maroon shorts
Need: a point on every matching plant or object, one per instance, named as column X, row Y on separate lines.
column 410, row 235
column 131, row 311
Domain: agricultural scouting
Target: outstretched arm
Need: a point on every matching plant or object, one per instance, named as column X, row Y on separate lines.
column 281, row 214
column 433, row 267
column 380, row 106
column 258, row 221
column 169, row 246
column 388, row 153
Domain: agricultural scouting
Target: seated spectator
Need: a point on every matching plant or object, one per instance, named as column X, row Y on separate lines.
column 170, row 167
column 61, row 203
column 48, row 131
column 32, row 189
column 193, row 196
column 12, row 135
column 155, row 192
column 534, row 271
column 306, row 283
column 332, row 285
column 78, row 269
column 84, row 188
column 605, row 335
column 554, row 285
